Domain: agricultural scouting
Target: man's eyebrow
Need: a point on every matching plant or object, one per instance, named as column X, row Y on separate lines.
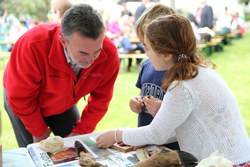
column 82, row 52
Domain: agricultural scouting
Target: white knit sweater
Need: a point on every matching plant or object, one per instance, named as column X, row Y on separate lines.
column 205, row 116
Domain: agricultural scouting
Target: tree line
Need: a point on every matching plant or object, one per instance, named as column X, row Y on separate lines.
column 37, row 9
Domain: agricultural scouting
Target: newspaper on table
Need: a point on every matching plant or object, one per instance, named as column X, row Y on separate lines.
column 67, row 156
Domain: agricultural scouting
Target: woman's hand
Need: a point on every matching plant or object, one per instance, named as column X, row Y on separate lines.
column 152, row 105
column 106, row 140
column 136, row 104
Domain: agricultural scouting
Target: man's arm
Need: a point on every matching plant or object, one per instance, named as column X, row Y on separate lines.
column 23, row 82
column 98, row 100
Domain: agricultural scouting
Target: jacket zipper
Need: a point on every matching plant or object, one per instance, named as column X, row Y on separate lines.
column 74, row 95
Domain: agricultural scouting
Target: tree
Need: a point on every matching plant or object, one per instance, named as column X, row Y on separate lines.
column 37, row 9
column 245, row 1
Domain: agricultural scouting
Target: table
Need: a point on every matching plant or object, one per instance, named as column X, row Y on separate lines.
column 134, row 40
column 7, row 42
column 22, row 157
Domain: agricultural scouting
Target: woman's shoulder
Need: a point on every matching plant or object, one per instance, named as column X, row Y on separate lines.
column 204, row 73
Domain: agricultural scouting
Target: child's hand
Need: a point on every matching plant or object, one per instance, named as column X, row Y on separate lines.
column 106, row 140
column 152, row 105
column 134, row 46
column 136, row 104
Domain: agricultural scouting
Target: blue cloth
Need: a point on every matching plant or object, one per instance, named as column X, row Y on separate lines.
column 149, row 81
column 3, row 32
column 139, row 11
column 126, row 45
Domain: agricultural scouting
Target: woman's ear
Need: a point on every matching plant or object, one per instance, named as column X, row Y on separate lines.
column 168, row 57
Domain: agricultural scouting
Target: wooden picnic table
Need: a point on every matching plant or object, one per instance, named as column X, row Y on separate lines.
column 5, row 54
column 134, row 40
column 6, row 42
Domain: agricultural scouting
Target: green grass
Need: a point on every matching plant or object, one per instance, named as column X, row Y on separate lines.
column 233, row 64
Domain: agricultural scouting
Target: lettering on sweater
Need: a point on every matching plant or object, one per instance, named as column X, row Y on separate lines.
column 93, row 75
column 154, row 90
column 54, row 76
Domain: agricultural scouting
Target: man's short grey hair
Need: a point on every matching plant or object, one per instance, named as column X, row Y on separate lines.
column 85, row 20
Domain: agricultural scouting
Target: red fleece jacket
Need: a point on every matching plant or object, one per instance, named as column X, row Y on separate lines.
column 40, row 83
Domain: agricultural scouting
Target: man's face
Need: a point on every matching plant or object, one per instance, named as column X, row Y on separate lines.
column 82, row 50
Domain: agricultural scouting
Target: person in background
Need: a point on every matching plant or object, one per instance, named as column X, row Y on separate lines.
column 223, row 26
column 238, row 25
column 223, row 23
column 33, row 23
column 58, row 8
column 51, row 67
column 25, row 20
column 127, row 18
column 139, row 11
column 198, row 105
column 3, row 36
column 149, row 80
column 194, row 25
column 125, row 10
column 127, row 46
column 114, row 31
column 15, row 29
column 204, row 17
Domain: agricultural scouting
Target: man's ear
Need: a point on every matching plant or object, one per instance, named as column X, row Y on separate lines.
column 62, row 40
column 60, row 15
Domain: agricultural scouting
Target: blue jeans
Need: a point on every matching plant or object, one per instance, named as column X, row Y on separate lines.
column 60, row 125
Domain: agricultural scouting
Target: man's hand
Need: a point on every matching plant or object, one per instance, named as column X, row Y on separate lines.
column 136, row 104
column 42, row 137
column 152, row 105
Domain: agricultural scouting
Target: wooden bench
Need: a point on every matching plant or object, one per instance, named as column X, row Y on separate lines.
column 214, row 41
column 212, row 44
column 133, row 55
column 201, row 45
column 7, row 42
column 209, row 47
column 227, row 37
column 134, row 40
column 5, row 54
column 230, row 36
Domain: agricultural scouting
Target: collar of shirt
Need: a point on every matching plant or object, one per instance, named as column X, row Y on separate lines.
column 72, row 65
column 67, row 56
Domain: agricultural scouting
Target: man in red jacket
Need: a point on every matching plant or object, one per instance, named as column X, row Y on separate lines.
column 51, row 67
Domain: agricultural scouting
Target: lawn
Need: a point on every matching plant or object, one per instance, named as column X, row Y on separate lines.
column 232, row 64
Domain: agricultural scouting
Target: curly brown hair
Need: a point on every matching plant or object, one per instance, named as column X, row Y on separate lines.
column 173, row 34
